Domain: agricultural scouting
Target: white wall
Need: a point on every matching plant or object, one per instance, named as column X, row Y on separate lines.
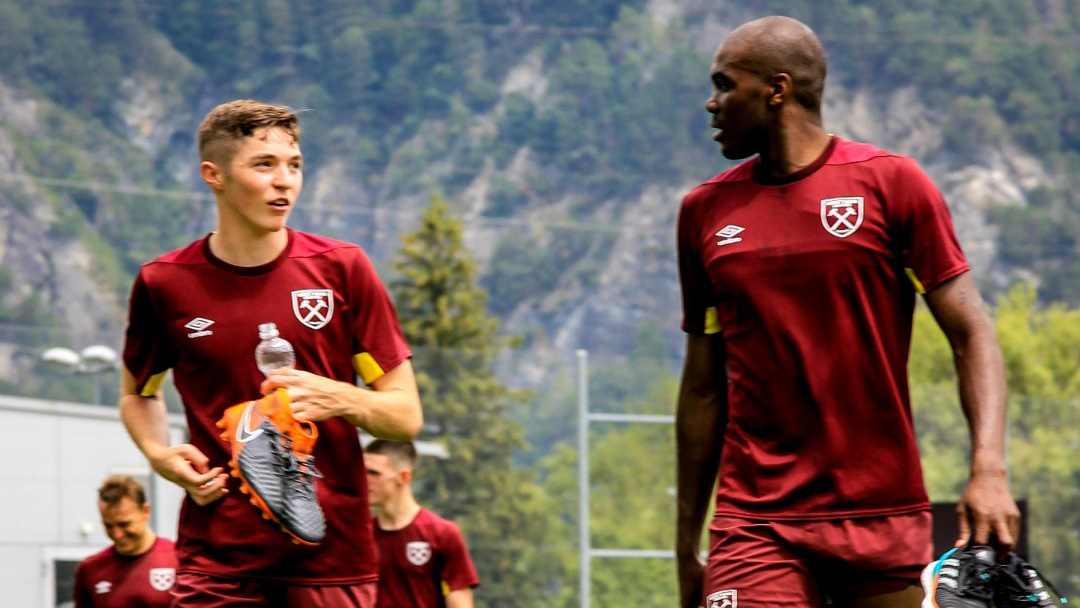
column 56, row 454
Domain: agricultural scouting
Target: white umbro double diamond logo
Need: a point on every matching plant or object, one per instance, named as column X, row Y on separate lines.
column 198, row 327
column 728, row 234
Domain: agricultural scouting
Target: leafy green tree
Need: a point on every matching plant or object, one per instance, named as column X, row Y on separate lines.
column 499, row 508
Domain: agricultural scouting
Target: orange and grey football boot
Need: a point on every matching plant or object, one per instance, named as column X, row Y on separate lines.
column 271, row 455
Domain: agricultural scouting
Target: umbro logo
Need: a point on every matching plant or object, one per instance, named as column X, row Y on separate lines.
column 728, row 234
column 102, row 587
column 198, row 327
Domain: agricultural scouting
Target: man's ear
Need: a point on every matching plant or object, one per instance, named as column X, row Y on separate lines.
column 406, row 475
column 780, row 87
column 212, row 175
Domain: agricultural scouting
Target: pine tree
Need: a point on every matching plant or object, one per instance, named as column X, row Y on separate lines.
column 454, row 343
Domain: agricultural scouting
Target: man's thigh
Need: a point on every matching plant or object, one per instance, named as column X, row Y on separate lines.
column 751, row 564
column 331, row 596
column 201, row 591
column 864, row 563
column 871, row 562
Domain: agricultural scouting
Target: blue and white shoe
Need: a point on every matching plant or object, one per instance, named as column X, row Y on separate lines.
column 962, row 578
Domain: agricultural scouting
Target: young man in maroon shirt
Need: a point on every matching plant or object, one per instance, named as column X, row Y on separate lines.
column 139, row 569
column 423, row 561
column 799, row 270
column 196, row 312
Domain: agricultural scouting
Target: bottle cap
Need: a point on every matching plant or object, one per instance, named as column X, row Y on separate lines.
column 267, row 331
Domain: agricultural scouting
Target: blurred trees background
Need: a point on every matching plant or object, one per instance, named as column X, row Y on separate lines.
column 620, row 108
column 614, row 107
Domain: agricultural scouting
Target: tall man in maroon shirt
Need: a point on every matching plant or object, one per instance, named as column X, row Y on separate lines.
column 139, row 569
column 196, row 312
column 799, row 270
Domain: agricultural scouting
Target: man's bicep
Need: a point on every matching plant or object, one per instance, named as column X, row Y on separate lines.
column 957, row 307
column 701, row 411
column 704, row 369
column 460, row 598
column 401, row 377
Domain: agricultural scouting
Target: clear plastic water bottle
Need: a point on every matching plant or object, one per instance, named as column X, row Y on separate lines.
column 273, row 351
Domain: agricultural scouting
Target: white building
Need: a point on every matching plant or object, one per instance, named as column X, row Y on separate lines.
column 56, row 456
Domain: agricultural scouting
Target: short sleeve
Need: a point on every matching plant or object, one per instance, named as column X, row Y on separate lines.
column 698, row 295
column 931, row 252
column 148, row 353
column 458, row 571
column 378, row 342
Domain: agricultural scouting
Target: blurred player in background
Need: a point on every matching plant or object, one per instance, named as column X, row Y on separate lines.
column 139, row 569
column 423, row 561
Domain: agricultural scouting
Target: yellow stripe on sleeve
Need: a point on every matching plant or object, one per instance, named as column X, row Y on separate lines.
column 153, row 385
column 445, row 588
column 915, row 281
column 367, row 368
column 712, row 321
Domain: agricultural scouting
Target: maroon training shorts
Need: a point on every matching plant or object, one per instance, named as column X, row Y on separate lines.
column 771, row 563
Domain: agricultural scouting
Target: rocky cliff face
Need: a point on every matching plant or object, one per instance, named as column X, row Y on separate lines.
column 628, row 276
column 44, row 267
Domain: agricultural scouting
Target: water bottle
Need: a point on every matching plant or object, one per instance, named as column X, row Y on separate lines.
column 273, row 351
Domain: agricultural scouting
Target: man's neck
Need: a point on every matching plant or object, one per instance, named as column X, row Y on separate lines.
column 243, row 249
column 793, row 148
column 145, row 544
column 398, row 512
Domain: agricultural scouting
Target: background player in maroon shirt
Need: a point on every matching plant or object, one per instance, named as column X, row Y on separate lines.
column 196, row 312
column 139, row 569
column 423, row 561
column 797, row 302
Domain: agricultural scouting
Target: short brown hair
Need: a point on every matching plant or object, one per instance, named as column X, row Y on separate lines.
column 118, row 487
column 402, row 454
column 226, row 124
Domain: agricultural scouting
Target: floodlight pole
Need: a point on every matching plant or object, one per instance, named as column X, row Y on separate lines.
column 584, row 418
column 583, row 475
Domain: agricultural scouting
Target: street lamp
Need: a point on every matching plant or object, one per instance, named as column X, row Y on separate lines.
column 93, row 360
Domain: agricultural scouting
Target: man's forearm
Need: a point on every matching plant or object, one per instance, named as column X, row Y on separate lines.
column 980, row 368
column 388, row 414
column 980, row 372
column 698, row 461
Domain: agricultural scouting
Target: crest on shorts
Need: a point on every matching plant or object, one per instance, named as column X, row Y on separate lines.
column 728, row 598
column 162, row 579
column 313, row 307
column 842, row 216
column 418, row 552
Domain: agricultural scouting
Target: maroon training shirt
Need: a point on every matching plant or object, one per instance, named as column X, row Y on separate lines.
column 812, row 283
column 422, row 562
column 198, row 316
column 110, row 580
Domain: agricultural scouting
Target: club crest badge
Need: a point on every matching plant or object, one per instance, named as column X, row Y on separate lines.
column 162, row 579
column 313, row 307
column 842, row 216
column 728, row 598
column 418, row 552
